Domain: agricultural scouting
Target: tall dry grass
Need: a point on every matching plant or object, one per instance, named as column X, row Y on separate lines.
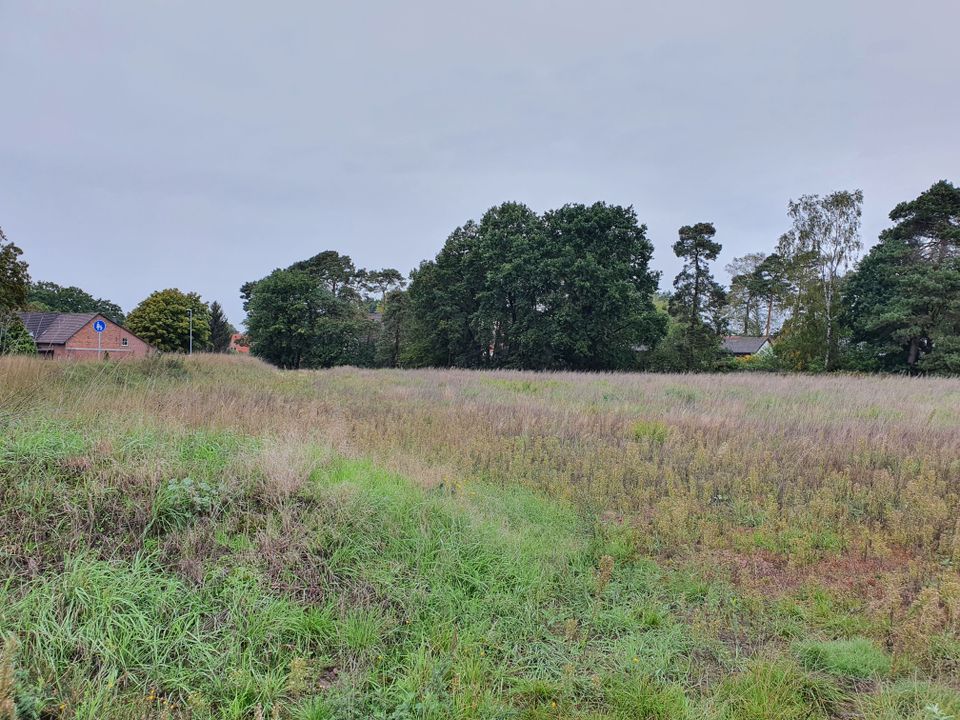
column 802, row 464
column 766, row 483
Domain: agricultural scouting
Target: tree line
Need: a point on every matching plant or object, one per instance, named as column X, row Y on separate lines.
column 162, row 319
column 572, row 289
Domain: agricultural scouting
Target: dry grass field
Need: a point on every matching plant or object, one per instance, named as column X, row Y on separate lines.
column 212, row 538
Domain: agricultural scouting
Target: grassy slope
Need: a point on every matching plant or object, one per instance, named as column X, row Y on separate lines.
column 207, row 541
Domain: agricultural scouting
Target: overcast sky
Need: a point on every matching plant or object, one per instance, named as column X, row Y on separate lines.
column 150, row 144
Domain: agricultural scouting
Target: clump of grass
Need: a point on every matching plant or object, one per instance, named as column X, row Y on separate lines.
column 8, row 689
column 179, row 501
column 775, row 689
column 854, row 658
column 652, row 430
column 911, row 700
column 645, row 698
column 523, row 386
column 684, row 395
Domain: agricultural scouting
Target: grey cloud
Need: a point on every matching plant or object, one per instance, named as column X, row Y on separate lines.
column 199, row 145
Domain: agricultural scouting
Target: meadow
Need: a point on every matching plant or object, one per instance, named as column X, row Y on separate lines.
column 209, row 537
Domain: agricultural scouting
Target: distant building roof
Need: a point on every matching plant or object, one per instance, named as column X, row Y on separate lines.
column 51, row 328
column 744, row 344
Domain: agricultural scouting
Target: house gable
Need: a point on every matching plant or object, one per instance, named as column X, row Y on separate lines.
column 72, row 335
column 746, row 345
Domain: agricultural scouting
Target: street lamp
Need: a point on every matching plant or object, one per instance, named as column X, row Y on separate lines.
column 190, row 313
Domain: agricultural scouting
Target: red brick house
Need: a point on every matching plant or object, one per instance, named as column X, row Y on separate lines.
column 72, row 335
column 238, row 343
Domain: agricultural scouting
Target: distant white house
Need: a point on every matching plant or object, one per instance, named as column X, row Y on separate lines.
column 746, row 345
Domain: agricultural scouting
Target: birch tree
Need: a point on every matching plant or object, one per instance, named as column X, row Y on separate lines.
column 826, row 230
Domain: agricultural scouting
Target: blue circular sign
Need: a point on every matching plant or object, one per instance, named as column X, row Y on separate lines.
column 99, row 326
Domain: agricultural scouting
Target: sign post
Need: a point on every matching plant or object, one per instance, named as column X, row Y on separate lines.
column 99, row 326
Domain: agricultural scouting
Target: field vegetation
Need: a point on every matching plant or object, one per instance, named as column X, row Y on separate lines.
column 213, row 538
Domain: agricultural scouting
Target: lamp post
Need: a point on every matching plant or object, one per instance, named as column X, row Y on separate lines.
column 190, row 313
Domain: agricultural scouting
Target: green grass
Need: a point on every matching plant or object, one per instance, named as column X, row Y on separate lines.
column 653, row 430
column 856, row 658
column 776, row 689
column 216, row 563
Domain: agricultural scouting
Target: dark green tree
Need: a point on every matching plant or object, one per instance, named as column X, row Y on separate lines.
column 50, row 297
column 14, row 338
column 334, row 272
column 510, row 266
column 443, row 301
column 294, row 321
column 697, row 304
column 220, row 329
column 571, row 289
column 903, row 301
column 394, row 330
column 14, row 276
column 382, row 282
column 599, row 287
column 770, row 287
column 14, row 287
column 163, row 320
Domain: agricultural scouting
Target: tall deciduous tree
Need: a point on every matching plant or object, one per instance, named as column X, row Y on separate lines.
column 220, row 328
column 294, row 321
column 824, row 242
column 510, row 259
column 904, row 298
column 14, row 276
column 443, row 300
column 743, row 300
column 314, row 313
column 48, row 296
column 14, row 286
column 571, row 289
column 599, row 287
column 163, row 320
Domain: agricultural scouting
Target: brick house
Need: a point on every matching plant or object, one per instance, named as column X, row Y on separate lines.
column 71, row 335
column 238, row 343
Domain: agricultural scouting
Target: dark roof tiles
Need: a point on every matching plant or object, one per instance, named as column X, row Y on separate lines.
column 743, row 344
column 50, row 328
